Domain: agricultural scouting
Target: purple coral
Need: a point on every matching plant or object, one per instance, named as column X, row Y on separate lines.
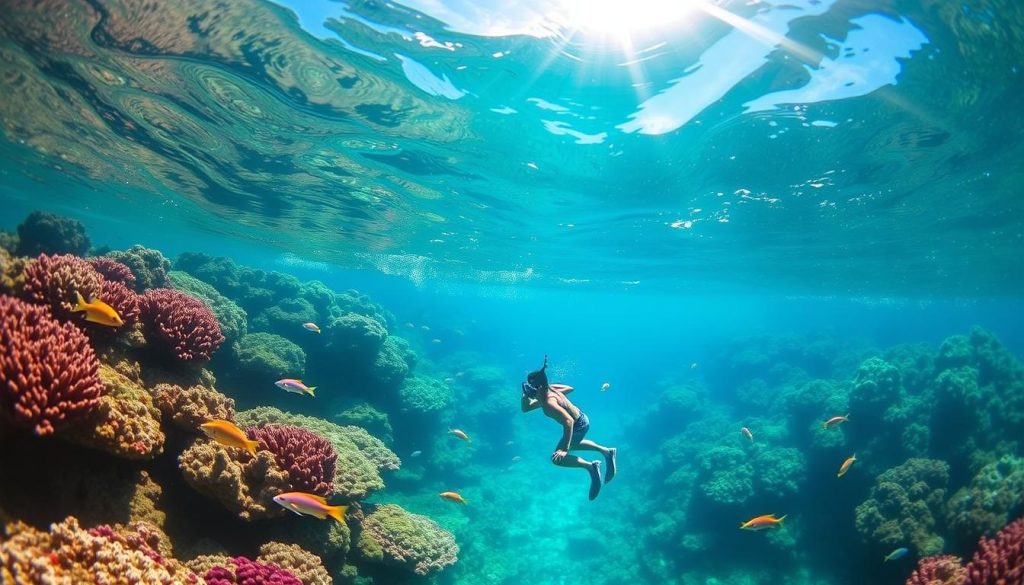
column 49, row 374
column 308, row 458
column 183, row 324
column 112, row 270
column 122, row 299
column 54, row 280
column 249, row 572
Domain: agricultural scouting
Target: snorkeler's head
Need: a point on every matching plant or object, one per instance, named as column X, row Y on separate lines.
column 539, row 378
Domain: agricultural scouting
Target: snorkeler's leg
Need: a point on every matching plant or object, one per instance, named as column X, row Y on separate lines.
column 608, row 452
column 592, row 467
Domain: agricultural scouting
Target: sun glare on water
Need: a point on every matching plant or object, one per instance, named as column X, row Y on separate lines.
column 623, row 18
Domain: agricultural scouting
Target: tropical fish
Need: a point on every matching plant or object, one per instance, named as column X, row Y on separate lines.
column 605, row 387
column 509, row 443
column 896, row 554
column 435, row 340
column 312, row 327
column 516, row 459
column 310, row 504
column 96, row 311
column 459, row 433
column 295, row 386
column 746, row 433
column 227, row 434
column 453, row 497
column 693, row 366
column 415, row 453
column 834, row 421
column 762, row 522
column 846, row 465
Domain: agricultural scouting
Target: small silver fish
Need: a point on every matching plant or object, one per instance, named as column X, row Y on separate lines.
column 415, row 453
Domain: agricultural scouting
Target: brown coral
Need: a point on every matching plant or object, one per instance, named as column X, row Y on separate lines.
column 192, row 406
column 126, row 423
column 12, row 273
column 244, row 484
column 303, row 564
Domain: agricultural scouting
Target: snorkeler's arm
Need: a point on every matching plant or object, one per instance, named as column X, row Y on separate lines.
column 567, row 423
column 563, row 388
column 528, row 404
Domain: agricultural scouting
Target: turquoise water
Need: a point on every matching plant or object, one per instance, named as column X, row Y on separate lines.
column 724, row 211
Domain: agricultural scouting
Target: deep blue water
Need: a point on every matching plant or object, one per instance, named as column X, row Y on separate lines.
column 711, row 212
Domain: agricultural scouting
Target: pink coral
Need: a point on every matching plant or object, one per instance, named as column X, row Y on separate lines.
column 123, row 300
column 308, row 458
column 48, row 370
column 54, row 280
column 938, row 570
column 999, row 560
column 182, row 323
column 113, row 271
column 249, row 572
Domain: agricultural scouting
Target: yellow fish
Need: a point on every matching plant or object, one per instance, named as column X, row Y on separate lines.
column 460, row 434
column 453, row 497
column 227, row 434
column 762, row 522
column 96, row 311
column 311, row 504
column 846, row 465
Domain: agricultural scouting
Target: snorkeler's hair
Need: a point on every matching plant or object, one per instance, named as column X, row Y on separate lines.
column 539, row 378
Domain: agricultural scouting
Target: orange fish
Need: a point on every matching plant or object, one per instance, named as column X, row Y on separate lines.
column 460, row 434
column 846, row 465
column 762, row 522
column 310, row 504
column 834, row 421
column 96, row 311
column 453, row 497
column 227, row 434
column 746, row 433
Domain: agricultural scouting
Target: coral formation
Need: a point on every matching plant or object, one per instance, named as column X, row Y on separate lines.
column 270, row 357
column 125, row 423
column 47, row 233
column 296, row 560
column 354, row 334
column 420, row 394
column 984, row 506
column 149, row 267
column 12, row 273
column 727, row 477
column 49, row 372
column 365, row 415
column 244, row 484
column 68, row 554
column 307, row 457
column 999, row 560
column 181, row 324
column 243, row 571
column 392, row 535
column 192, row 406
column 54, row 280
column 231, row 318
column 938, row 570
column 113, row 271
column 904, row 504
column 122, row 299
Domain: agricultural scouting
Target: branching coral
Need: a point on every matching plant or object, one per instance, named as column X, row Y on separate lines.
column 149, row 267
column 113, row 271
column 192, row 406
column 938, row 570
column 47, row 233
column 243, row 571
column 394, row 536
column 231, row 318
column 903, row 506
column 54, row 280
column 68, row 554
column 1000, row 560
column 308, row 458
column 269, row 357
column 244, row 484
column 49, row 374
column 183, row 325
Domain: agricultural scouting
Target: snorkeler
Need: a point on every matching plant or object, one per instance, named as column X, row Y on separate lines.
column 537, row 393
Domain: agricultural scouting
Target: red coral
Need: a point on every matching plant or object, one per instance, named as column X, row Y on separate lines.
column 182, row 323
column 308, row 458
column 939, row 570
column 48, row 371
column 248, row 572
column 112, row 270
column 123, row 299
column 999, row 560
column 54, row 280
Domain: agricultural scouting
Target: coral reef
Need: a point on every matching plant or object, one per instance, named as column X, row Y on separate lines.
column 394, row 536
column 231, row 318
column 904, row 504
column 308, row 458
column 243, row 571
column 420, row 394
column 54, row 280
column 296, row 560
column 149, row 267
column 999, row 560
column 181, row 324
column 125, row 423
column 354, row 334
column 49, row 371
column 269, row 357
column 938, row 570
column 365, row 415
column 68, row 554
column 244, row 484
column 727, row 477
column 12, row 273
column 113, row 271
column 192, row 406
column 47, row 233
column 985, row 505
